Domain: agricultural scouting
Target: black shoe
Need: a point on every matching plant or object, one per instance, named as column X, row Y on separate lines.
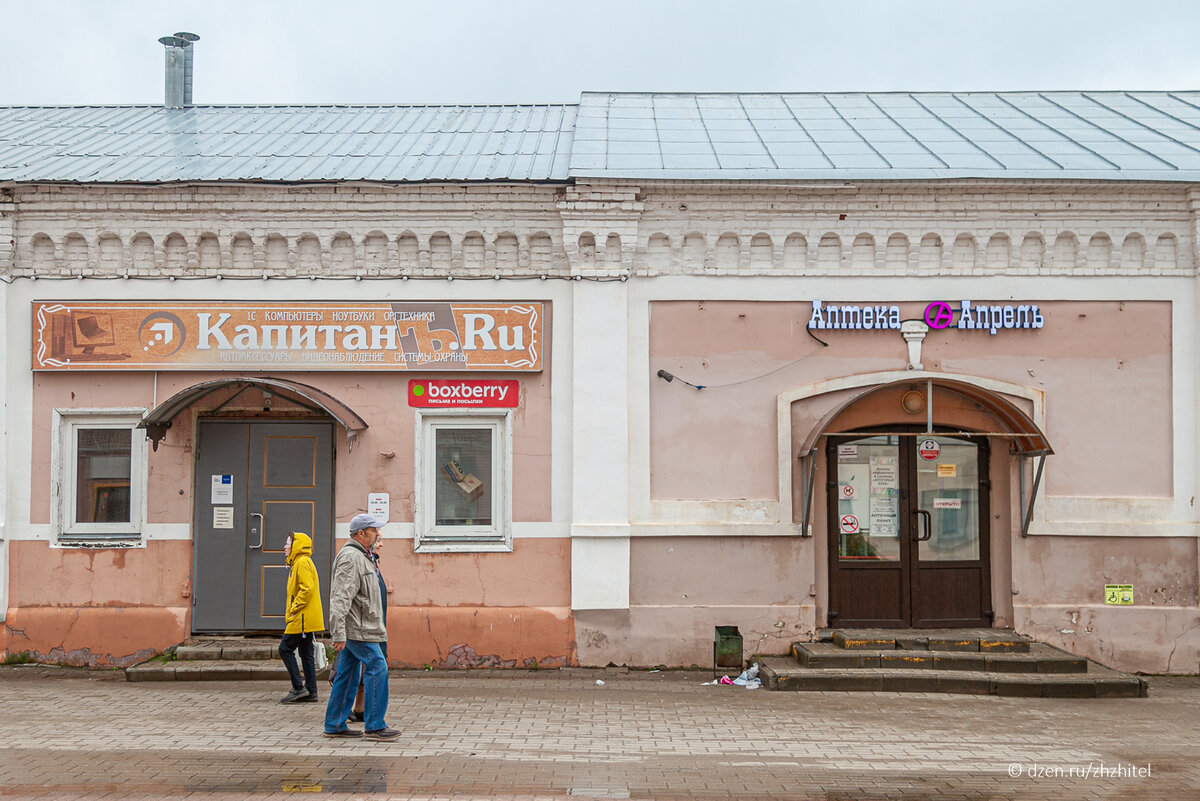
column 356, row 717
column 295, row 695
column 384, row 734
column 312, row 698
column 343, row 734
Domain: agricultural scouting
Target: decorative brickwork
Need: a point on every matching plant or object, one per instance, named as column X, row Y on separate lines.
column 602, row 229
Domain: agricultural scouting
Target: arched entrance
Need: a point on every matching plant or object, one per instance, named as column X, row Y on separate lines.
column 263, row 467
column 905, row 520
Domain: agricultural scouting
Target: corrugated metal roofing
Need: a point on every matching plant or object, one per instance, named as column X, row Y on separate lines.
column 286, row 143
column 1122, row 136
column 1151, row 136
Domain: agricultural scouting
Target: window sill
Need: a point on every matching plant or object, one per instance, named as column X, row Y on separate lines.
column 463, row 546
column 131, row 541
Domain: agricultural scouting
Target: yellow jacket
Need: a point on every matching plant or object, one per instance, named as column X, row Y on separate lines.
column 304, row 613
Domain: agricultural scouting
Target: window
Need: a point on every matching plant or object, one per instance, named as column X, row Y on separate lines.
column 100, row 476
column 463, row 465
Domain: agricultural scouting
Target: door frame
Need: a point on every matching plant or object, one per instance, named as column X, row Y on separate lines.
column 200, row 422
column 909, row 564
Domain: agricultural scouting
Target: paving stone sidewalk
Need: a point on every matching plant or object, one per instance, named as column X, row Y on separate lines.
column 559, row 735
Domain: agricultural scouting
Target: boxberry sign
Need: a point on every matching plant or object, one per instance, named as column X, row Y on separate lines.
column 970, row 315
column 220, row 335
column 431, row 393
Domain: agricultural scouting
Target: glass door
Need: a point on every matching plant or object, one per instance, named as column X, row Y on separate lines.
column 907, row 531
column 870, row 532
column 951, row 576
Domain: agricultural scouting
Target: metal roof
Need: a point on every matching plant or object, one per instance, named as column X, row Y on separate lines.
column 1153, row 136
column 285, row 143
column 1111, row 136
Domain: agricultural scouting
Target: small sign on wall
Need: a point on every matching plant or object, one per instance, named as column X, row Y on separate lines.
column 1118, row 594
column 379, row 506
column 223, row 517
column 222, row 488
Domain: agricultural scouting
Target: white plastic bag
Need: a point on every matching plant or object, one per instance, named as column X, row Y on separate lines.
column 319, row 655
column 749, row 678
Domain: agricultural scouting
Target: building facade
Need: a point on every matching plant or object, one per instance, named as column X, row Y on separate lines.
column 616, row 373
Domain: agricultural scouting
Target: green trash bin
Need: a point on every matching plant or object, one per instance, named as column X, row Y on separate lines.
column 727, row 648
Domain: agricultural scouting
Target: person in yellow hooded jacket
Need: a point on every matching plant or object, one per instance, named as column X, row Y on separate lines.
column 304, row 618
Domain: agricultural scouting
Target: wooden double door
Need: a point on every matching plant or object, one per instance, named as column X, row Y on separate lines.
column 908, row 531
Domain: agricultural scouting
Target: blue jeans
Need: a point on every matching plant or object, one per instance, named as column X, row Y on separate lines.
column 369, row 657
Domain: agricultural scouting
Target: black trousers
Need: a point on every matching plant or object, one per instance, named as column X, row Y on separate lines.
column 287, row 649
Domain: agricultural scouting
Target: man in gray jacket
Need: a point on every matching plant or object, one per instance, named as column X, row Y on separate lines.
column 356, row 628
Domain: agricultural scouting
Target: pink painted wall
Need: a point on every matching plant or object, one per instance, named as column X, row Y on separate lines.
column 102, row 607
column 718, row 571
column 1103, row 365
column 380, row 399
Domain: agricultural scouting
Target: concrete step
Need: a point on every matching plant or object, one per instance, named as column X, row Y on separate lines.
column 228, row 648
column 965, row 640
column 208, row 670
column 217, row 659
column 1040, row 658
column 782, row 673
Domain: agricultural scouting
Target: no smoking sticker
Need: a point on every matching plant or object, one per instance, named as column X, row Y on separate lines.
column 848, row 524
column 929, row 449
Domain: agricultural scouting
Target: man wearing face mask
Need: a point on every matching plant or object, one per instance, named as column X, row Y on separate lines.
column 303, row 616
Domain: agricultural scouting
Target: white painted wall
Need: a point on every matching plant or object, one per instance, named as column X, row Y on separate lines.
column 600, row 434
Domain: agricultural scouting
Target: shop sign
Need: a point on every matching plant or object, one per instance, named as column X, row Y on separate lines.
column 939, row 314
column 215, row 335
column 452, row 393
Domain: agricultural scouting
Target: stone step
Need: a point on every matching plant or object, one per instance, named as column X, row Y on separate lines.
column 1040, row 658
column 211, row 670
column 215, row 658
column 782, row 673
column 239, row 652
column 967, row 640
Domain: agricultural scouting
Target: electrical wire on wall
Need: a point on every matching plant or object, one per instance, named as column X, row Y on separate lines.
column 668, row 377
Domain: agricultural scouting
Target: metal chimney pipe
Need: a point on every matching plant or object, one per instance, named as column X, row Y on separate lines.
column 188, row 52
column 178, row 91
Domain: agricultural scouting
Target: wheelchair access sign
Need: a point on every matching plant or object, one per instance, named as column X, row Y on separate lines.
column 1118, row 594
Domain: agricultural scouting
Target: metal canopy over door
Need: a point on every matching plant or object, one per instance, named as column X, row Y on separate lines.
column 908, row 525
column 255, row 483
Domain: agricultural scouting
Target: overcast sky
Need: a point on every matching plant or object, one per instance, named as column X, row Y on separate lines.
column 511, row 51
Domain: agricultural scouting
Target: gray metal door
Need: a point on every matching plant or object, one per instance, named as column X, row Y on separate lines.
column 256, row 483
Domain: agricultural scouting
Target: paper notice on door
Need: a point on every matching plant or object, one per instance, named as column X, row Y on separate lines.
column 885, row 516
column 947, row 503
column 222, row 489
column 222, row 517
column 947, row 471
column 885, row 497
column 885, row 475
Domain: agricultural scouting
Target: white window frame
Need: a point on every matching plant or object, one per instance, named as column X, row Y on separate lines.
column 431, row 538
column 64, row 467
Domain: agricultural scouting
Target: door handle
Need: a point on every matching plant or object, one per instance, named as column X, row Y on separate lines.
column 928, row 526
column 262, row 530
